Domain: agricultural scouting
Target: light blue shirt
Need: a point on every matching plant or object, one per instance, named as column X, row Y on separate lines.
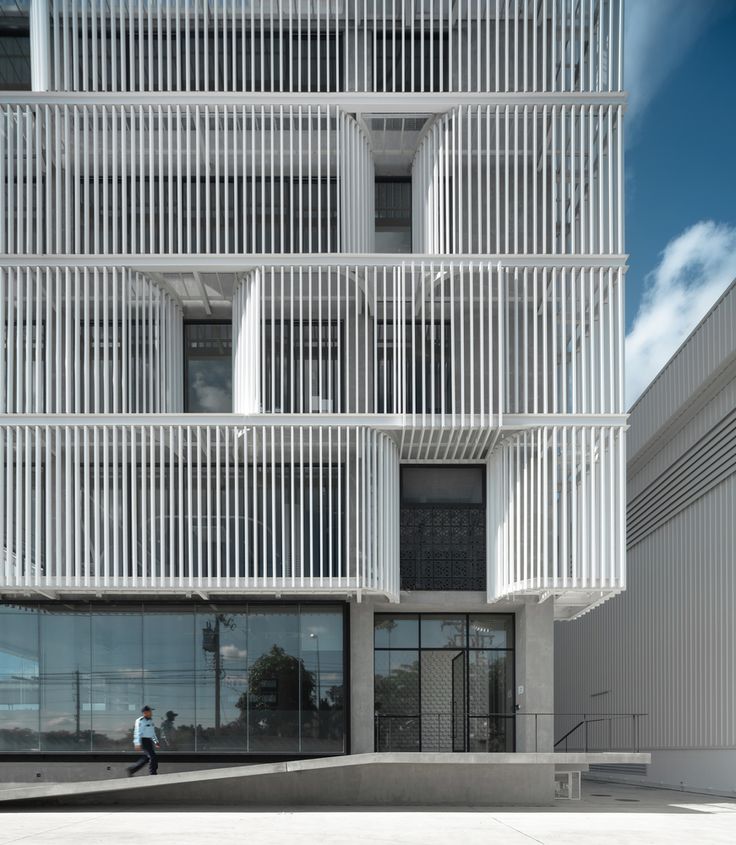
column 144, row 729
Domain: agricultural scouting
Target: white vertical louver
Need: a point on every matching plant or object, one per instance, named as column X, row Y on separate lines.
column 192, row 157
column 185, row 179
column 144, row 505
column 520, row 179
column 557, row 520
column 88, row 340
column 447, row 343
column 391, row 46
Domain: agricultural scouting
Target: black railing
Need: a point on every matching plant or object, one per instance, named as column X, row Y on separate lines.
column 600, row 732
column 445, row 732
column 493, row 732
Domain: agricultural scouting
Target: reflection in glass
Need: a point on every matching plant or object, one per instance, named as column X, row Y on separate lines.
column 449, row 694
column 397, row 700
column 66, row 665
column 278, row 684
column 443, row 631
column 168, row 669
column 117, row 678
column 19, row 680
column 209, row 367
column 396, row 631
column 243, row 678
column 321, row 651
column 487, row 631
column 490, row 693
column 221, row 648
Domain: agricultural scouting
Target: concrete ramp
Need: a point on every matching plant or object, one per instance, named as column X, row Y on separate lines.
column 387, row 779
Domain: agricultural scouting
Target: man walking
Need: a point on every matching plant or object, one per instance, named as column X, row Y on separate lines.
column 145, row 741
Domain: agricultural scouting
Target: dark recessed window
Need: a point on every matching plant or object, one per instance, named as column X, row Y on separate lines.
column 443, row 528
column 458, row 485
column 393, row 216
column 208, row 364
column 15, row 53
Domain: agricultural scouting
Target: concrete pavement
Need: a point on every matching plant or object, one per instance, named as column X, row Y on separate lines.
column 608, row 813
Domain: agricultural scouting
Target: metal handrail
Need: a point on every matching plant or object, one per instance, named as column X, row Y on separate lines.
column 571, row 731
column 587, row 719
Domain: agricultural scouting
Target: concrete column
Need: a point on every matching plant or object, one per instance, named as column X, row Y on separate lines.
column 40, row 45
column 361, row 677
column 535, row 676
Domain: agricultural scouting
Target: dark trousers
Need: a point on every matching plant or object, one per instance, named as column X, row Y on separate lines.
column 148, row 755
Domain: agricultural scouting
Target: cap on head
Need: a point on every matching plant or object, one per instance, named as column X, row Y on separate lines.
column 146, row 709
column 171, row 715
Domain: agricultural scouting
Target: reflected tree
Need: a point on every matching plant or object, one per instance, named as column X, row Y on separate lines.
column 279, row 686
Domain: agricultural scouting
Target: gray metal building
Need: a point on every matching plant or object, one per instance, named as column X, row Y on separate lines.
column 665, row 647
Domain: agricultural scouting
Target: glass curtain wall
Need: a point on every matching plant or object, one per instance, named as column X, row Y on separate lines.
column 266, row 679
column 444, row 682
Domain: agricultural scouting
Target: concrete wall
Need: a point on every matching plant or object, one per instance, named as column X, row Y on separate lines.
column 535, row 674
column 370, row 780
column 85, row 770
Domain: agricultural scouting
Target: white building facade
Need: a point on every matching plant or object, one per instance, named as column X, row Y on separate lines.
column 311, row 409
column 666, row 647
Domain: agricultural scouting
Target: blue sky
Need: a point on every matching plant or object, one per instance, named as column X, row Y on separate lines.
column 680, row 173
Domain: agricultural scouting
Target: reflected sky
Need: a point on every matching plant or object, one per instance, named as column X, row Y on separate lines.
column 75, row 678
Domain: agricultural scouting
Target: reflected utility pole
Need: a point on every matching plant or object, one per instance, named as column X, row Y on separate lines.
column 315, row 637
column 211, row 643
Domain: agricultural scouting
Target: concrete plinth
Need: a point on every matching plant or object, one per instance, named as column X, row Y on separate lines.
column 360, row 780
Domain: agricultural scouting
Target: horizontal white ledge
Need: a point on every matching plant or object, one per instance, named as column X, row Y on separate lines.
column 351, row 101
column 509, row 422
column 244, row 263
column 55, row 590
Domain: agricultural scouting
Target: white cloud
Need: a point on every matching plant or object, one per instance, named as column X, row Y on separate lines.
column 232, row 652
column 695, row 268
column 657, row 35
column 207, row 395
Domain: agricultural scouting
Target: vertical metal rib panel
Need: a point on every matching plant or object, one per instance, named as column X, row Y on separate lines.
column 284, row 546
column 575, row 157
column 113, row 346
column 355, row 45
column 107, row 188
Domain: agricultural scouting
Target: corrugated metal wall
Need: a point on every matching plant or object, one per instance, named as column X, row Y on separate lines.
column 707, row 350
column 667, row 646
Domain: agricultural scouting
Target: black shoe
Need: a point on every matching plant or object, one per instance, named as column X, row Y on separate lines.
column 130, row 773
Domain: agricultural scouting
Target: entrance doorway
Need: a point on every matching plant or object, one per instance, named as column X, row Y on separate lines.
column 444, row 682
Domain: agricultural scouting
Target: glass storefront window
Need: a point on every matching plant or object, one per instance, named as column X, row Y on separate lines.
column 168, row 666
column 19, row 680
column 117, row 678
column 65, row 671
column 321, row 654
column 396, row 699
column 222, row 678
column 486, row 631
column 279, row 684
column 396, row 631
column 443, row 631
column 221, row 648
column 454, row 691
